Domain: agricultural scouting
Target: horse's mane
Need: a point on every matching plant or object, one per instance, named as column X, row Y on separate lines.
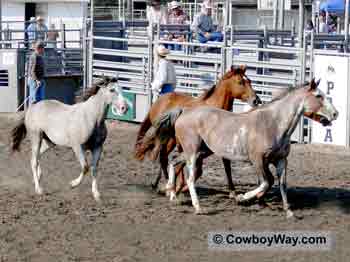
column 93, row 89
column 282, row 95
column 207, row 93
column 288, row 90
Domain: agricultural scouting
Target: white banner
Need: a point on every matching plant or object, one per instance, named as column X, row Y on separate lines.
column 268, row 4
column 333, row 72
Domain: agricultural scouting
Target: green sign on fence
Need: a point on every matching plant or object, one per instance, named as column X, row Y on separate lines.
column 130, row 115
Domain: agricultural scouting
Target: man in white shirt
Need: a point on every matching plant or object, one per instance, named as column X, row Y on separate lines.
column 165, row 75
column 156, row 14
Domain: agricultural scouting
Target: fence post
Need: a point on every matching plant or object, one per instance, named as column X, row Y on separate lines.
column 301, row 23
column 91, row 42
column 150, row 66
column 302, row 80
column 63, row 34
column 84, row 44
column 293, row 33
column 346, row 25
column 224, row 43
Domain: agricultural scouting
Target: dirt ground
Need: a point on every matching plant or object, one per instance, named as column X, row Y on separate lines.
column 136, row 224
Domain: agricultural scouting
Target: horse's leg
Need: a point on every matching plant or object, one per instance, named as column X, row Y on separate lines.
column 199, row 172
column 190, row 179
column 228, row 171
column 170, row 187
column 281, row 171
column 80, row 154
column 164, row 154
column 179, row 172
column 164, row 161
column 266, row 178
column 45, row 145
column 96, row 154
column 36, row 139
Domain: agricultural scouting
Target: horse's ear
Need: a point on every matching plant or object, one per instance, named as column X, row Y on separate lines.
column 239, row 70
column 232, row 68
column 243, row 68
column 314, row 84
column 318, row 82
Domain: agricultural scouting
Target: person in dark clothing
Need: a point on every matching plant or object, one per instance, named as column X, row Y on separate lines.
column 36, row 71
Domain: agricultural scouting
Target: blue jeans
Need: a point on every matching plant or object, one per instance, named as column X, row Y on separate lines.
column 167, row 88
column 36, row 95
column 214, row 36
column 175, row 47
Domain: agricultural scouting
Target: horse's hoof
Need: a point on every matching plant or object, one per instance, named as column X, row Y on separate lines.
column 290, row 214
column 200, row 211
column 240, row 198
column 162, row 190
column 74, row 184
column 97, row 197
column 168, row 192
column 154, row 186
column 174, row 200
column 232, row 195
column 39, row 191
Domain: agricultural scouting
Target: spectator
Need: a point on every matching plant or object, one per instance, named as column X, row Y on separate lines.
column 165, row 76
column 36, row 70
column 41, row 29
column 323, row 27
column 37, row 31
column 203, row 25
column 176, row 17
column 30, row 30
column 156, row 14
column 52, row 36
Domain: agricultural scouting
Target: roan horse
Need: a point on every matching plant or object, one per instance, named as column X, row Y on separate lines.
column 261, row 136
column 80, row 126
column 234, row 84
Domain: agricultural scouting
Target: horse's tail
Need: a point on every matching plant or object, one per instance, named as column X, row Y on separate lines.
column 18, row 133
column 163, row 130
column 145, row 125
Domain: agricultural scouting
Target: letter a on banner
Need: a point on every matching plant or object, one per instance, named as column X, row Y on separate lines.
column 328, row 137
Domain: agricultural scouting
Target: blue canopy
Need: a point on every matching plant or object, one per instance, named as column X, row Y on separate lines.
column 333, row 6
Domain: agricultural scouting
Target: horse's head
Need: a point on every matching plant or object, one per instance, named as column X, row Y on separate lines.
column 317, row 106
column 114, row 96
column 240, row 86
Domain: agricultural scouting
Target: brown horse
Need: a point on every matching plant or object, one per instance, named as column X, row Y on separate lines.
column 234, row 84
column 261, row 136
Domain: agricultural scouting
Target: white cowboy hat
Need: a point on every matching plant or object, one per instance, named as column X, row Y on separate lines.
column 174, row 4
column 162, row 51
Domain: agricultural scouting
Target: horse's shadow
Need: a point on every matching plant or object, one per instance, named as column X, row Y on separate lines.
column 299, row 197
column 315, row 197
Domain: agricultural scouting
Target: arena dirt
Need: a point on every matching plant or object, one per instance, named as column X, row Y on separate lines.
column 136, row 224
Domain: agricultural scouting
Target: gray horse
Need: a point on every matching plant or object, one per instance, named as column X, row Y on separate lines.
column 261, row 136
column 80, row 126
